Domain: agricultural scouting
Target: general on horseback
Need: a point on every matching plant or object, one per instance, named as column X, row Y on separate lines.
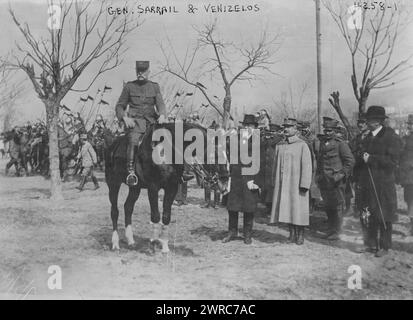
column 142, row 96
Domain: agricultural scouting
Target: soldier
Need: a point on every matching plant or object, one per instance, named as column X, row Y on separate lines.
column 406, row 169
column 141, row 95
column 341, row 133
column 89, row 159
column 357, row 149
column 334, row 164
column 292, row 172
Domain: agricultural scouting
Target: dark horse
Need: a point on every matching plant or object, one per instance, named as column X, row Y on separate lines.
column 152, row 176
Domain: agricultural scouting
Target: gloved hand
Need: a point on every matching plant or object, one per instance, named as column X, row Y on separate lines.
column 129, row 122
column 161, row 119
column 251, row 185
column 303, row 190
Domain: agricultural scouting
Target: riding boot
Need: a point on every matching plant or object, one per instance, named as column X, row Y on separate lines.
column 300, row 235
column 232, row 226
column 292, row 237
column 95, row 181
column 248, row 223
column 82, row 183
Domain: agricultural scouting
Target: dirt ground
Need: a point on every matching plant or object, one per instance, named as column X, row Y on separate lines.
column 76, row 236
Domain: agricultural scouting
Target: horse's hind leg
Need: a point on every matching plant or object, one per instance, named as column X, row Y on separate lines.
column 133, row 195
column 114, row 212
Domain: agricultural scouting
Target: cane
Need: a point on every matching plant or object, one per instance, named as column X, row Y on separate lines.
column 377, row 197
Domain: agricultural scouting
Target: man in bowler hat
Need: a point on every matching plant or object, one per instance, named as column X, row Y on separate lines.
column 377, row 168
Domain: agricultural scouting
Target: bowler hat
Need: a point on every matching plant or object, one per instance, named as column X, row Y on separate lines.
column 142, row 66
column 376, row 112
column 410, row 119
column 249, row 119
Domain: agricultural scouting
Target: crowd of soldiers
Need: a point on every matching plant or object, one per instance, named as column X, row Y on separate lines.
column 27, row 146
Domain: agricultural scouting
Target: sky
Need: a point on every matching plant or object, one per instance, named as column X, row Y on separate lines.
column 296, row 59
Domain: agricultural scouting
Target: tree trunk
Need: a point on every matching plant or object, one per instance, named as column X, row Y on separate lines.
column 52, row 110
column 227, row 107
column 362, row 104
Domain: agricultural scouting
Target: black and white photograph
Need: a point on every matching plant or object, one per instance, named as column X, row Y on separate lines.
column 206, row 150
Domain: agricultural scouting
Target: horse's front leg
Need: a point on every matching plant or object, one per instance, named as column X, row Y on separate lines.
column 133, row 195
column 114, row 212
column 170, row 193
column 153, row 194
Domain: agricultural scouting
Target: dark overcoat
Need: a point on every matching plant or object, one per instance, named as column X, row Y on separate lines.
column 406, row 161
column 384, row 150
column 240, row 198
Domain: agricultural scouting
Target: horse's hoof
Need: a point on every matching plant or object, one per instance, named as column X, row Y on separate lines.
column 129, row 235
column 115, row 241
column 165, row 246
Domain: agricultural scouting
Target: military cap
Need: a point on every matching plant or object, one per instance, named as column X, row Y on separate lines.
column 329, row 123
column 361, row 120
column 249, row 119
column 410, row 119
column 289, row 122
column 142, row 66
column 340, row 129
column 274, row 127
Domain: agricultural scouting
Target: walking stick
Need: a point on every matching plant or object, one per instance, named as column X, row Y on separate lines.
column 377, row 197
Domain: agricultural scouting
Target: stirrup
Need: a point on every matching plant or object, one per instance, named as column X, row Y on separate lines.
column 132, row 179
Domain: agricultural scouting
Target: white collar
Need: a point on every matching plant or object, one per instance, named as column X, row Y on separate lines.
column 375, row 132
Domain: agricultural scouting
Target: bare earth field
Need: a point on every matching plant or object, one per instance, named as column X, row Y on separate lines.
column 76, row 235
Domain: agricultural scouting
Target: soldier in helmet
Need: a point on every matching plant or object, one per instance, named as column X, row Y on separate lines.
column 334, row 165
column 142, row 96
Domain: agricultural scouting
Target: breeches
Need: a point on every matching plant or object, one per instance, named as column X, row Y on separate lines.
column 88, row 171
column 134, row 136
column 333, row 197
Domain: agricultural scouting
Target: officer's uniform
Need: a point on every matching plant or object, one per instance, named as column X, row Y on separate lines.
column 142, row 97
column 334, row 164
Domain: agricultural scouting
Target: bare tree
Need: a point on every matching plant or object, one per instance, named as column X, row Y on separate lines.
column 10, row 92
column 54, row 63
column 226, row 60
column 371, row 34
column 296, row 103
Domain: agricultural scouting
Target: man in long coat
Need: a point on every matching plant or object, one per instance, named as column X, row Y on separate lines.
column 406, row 169
column 244, row 188
column 293, row 172
column 377, row 177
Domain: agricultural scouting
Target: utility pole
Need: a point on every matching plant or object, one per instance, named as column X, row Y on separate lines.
column 318, row 41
